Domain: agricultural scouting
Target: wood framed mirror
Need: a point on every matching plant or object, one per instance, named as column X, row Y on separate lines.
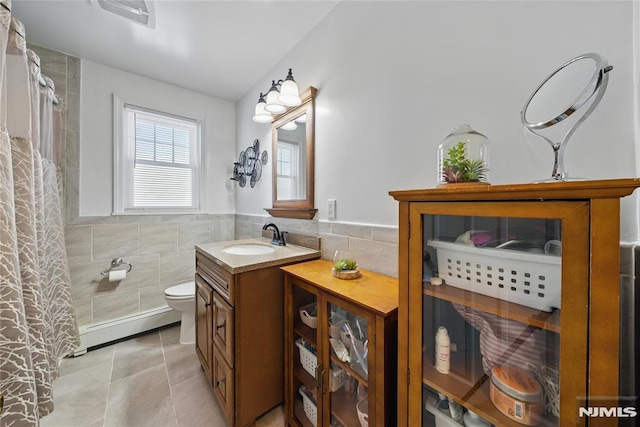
column 292, row 154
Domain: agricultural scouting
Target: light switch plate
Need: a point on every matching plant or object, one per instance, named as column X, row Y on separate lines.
column 331, row 209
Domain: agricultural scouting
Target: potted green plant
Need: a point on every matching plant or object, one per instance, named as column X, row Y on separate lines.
column 458, row 167
column 345, row 268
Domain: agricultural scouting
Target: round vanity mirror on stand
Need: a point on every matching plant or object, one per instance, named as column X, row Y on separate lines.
column 577, row 85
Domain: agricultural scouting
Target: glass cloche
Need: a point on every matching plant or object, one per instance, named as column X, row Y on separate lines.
column 463, row 157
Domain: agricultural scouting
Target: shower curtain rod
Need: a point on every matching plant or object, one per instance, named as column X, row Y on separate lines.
column 44, row 84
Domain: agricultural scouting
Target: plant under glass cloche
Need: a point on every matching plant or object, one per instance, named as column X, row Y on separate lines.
column 463, row 157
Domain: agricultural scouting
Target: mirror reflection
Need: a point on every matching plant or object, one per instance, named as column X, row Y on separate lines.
column 291, row 160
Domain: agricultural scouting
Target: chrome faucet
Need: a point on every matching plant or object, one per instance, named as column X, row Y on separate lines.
column 278, row 237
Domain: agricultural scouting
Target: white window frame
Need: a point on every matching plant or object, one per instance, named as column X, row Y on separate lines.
column 124, row 161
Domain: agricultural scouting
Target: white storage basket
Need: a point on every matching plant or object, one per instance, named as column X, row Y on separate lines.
column 524, row 278
column 309, row 362
column 310, row 409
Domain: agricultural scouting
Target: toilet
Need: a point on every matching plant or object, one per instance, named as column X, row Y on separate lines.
column 182, row 299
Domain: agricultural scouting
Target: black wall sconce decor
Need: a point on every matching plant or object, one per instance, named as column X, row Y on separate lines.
column 249, row 164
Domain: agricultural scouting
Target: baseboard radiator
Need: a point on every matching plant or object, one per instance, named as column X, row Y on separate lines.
column 104, row 332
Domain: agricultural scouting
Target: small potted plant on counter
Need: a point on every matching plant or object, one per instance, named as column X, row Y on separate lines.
column 345, row 267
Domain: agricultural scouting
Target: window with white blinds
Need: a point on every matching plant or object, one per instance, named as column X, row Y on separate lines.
column 287, row 171
column 158, row 157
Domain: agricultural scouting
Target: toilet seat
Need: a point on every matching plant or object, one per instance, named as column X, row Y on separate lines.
column 182, row 291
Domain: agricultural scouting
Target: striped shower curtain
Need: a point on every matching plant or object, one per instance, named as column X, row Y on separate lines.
column 37, row 325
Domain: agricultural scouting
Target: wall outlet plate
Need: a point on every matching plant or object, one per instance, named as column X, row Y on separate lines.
column 331, row 208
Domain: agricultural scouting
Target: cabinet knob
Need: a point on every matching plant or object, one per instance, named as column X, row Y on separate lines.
column 220, row 326
column 219, row 383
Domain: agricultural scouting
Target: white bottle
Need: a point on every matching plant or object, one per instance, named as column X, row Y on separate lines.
column 471, row 419
column 443, row 351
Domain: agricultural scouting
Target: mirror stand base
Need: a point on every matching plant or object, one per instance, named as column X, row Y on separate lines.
column 301, row 213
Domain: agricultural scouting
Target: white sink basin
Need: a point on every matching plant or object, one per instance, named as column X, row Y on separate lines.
column 248, row 249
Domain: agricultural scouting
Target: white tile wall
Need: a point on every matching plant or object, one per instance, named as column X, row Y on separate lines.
column 160, row 249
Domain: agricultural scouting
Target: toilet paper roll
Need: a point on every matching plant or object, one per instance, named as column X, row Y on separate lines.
column 117, row 275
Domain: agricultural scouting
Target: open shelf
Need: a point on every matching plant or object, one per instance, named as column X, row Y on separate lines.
column 545, row 320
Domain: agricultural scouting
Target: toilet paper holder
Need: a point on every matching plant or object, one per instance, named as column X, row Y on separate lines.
column 115, row 263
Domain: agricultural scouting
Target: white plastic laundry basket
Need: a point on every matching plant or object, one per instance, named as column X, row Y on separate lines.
column 525, row 278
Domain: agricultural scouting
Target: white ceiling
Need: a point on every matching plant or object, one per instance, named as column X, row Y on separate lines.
column 219, row 48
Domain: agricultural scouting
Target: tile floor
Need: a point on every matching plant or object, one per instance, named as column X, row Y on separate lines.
column 148, row 380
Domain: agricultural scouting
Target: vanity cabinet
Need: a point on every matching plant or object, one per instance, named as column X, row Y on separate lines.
column 531, row 281
column 239, row 328
column 323, row 387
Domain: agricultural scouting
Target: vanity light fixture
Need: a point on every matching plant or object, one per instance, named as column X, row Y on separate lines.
column 261, row 115
column 289, row 125
column 273, row 100
column 282, row 94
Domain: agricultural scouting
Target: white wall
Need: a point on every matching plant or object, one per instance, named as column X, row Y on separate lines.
column 395, row 77
column 99, row 83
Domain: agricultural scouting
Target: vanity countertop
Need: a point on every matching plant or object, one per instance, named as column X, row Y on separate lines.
column 241, row 263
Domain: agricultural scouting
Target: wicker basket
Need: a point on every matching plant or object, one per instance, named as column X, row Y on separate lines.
column 524, row 278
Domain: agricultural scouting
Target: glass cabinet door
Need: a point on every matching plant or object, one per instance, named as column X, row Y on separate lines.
column 306, row 357
column 492, row 289
column 347, row 388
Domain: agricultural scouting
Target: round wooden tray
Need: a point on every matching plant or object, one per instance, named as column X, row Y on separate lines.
column 346, row 274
